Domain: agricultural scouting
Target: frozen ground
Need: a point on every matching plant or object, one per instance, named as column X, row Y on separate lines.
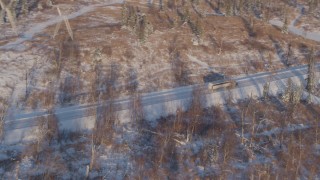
column 157, row 104
column 32, row 51
column 23, row 56
column 214, row 150
column 180, row 156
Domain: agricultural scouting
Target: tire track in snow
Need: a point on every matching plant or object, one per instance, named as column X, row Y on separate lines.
column 201, row 63
column 300, row 32
column 37, row 28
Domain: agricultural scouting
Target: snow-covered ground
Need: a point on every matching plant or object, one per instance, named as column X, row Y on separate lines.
column 315, row 36
column 157, row 104
column 28, row 34
column 69, row 157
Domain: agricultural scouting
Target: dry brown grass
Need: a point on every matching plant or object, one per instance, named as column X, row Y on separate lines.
column 258, row 65
column 226, row 36
column 163, row 149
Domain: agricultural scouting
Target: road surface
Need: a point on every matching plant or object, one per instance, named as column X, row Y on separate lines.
column 17, row 121
column 24, row 120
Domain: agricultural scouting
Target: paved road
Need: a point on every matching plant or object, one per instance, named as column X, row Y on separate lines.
column 23, row 120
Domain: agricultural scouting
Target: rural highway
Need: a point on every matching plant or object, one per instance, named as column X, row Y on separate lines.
column 20, row 120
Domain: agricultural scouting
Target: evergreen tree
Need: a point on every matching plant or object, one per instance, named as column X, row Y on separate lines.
column 234, row 8
column 292, row 94
column 132, row 17
column 219, row 4
column 228, row 8
column 141, row 27
column 289, row 54
column 285, row 26
column 266, row 90
column 240, row 6
column 124, row 14
column 286, row 97
column 311, row 72
column 185, row 16
column 24, row 7
column 161, row 5
column 2, row 13
column 198, row 30
column 311, row 4
column 250, row 5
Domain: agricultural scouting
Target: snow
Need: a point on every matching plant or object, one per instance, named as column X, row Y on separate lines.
column 157, row 106
column 197, row 61
column 37, row 28
column 4, row 157
column 315, row 36
column 111, row 161
column 308, row 35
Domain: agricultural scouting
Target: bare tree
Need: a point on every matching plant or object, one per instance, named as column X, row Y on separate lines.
column 58, row 56
column 92, row 158
column 66, row 21
column 195, row 111
column 47, row 130
column 106, row 116
column 244, row 112
column 180, row 69
column 106, row 119
column 137, row 113
column 10, row 11
column 132, row 82
column 68, row 89
column 317, row 129
column 96, row 83
column 178, row 123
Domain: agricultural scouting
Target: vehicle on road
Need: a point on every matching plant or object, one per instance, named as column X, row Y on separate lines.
column 222, row 84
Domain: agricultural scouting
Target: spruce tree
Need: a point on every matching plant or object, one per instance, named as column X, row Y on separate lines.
column 228, row 8
column 24, row 8
column 141, row 27
column 234, row 8
column 161, row 5
column 2, row 13
column 285, row 26
column 311, row 4
column 266, row 90
column 219, row 5
column 311, row 72
column 124, row 15
column 286, row 97
column 240, row 6
column 199, row 29
column 289, row 54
